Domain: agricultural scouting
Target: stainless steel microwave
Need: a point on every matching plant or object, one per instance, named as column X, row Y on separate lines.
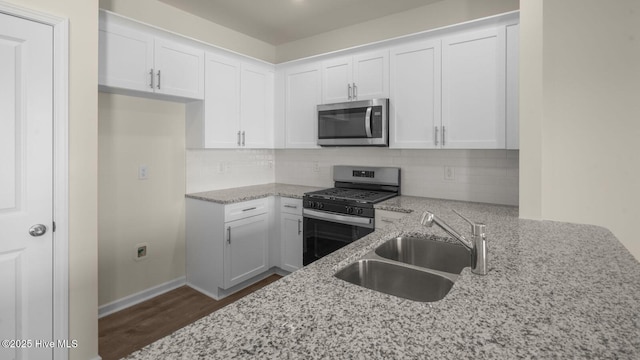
column 354, row 123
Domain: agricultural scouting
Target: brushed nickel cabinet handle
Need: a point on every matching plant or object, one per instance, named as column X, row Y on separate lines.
column 228, row 234
column 442, row 135
column 436, row 136
column 158, row 79
column 151, row 78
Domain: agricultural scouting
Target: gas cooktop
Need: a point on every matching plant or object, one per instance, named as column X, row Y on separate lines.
column 355, row 195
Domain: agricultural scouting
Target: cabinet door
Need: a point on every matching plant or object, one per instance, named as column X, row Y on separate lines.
column 337, row 80
column 179, row 69
column 415, row 100
column 302, row 96
column 222, row 102
column 291, row 241
column 126, row 58
column 246, row 249
column 371, row 75
column 473, row 90
column 256, row 106
column 513, row 85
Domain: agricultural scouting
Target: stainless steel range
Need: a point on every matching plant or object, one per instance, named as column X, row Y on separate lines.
column 336, row 217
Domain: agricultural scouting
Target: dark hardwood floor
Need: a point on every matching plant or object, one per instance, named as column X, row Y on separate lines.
column 131, row 329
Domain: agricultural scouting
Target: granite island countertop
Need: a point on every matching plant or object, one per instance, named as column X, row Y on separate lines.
column 554, row 290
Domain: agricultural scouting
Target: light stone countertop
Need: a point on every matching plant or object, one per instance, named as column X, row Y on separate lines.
column 554, row 291
column 245, row 193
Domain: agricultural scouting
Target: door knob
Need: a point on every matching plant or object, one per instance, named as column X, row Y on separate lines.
column 37, row 230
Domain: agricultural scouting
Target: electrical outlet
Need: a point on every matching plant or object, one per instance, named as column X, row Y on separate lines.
column 143, row 172
column 449, row 173
column 316, row 166
column 141, row 251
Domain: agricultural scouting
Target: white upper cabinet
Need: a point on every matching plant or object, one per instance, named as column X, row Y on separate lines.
column 221, row 103
column 238, row 107
column 359, row 77
column 126, row 58
column 414, row 112
column 136, row 60
column 302, row 96
column 473, row 90
column 179, row 69
column 256, row 105
column 513, row 84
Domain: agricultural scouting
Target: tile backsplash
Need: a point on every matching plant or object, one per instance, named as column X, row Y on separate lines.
column 489, row 176
column 221, row 169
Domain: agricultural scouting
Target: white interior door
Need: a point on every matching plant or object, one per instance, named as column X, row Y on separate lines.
column 26, row 188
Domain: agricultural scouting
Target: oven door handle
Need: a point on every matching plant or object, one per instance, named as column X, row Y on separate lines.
column 342, row 219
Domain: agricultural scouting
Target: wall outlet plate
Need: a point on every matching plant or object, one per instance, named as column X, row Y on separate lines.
column 449, row 173
column 143, row 172
column 141, row 251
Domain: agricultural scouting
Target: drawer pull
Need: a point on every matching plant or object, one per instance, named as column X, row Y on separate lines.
column 291, row 206
column 249, row 209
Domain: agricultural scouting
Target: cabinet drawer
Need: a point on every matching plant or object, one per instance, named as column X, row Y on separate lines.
column 245, row 209
column 291, row 206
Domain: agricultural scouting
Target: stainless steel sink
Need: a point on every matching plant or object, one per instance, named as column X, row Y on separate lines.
column 396, row 279
column 432, row 254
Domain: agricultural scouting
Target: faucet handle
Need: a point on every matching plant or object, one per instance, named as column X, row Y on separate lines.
column 477, row 229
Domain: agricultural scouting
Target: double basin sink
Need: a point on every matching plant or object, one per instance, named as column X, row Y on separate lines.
column 415, row 268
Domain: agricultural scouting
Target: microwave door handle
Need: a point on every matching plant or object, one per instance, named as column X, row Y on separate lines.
column 367, row 122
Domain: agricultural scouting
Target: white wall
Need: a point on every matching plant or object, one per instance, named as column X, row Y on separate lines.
column 83, row 155
column 157, row 13
column 579, row 123
column 438, row 14
column 480, row 175
column 135, row 132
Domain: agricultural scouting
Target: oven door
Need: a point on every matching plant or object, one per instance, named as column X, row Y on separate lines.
column 326, row 232
column 353, row 123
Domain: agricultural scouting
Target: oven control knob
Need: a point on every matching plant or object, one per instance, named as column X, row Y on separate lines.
column 320, row 205
column 311, row 204
column 349, row 210
column 360, row 211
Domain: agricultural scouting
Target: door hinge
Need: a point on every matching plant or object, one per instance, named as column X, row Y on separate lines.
column 54, row 226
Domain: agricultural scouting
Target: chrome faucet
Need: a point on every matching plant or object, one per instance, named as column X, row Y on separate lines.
column 477, row 245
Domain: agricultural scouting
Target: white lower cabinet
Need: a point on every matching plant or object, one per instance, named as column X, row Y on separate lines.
column 246, row 249
column 230, row 244
column 226, row 244
column 290, row 234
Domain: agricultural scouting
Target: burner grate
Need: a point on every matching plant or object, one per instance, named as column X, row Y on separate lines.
column 365, row 196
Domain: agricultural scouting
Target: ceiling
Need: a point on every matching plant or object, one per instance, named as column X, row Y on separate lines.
column 281, row 21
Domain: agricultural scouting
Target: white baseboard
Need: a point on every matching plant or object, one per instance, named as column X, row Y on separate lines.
column 139, row 297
